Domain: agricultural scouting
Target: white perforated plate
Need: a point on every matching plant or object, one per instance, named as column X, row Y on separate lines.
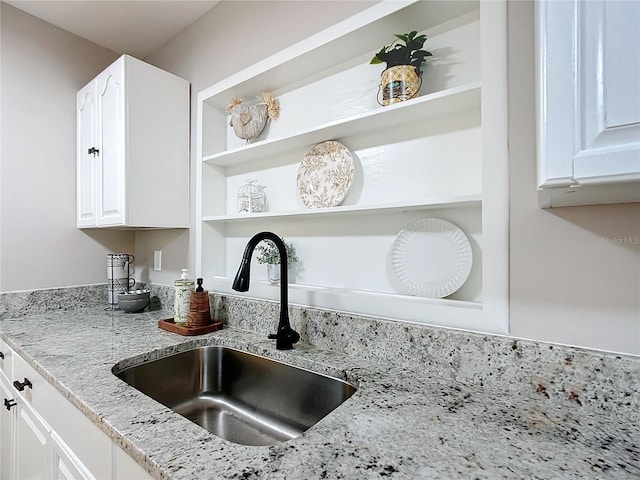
column 431, row 257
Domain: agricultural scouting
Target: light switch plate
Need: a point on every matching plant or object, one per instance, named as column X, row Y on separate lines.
column 157, row 260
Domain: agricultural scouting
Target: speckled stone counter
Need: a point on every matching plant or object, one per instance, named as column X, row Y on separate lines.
column 440, row 404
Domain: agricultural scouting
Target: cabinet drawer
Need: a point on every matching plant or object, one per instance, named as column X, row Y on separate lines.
column 6, row 359
column 37, row 395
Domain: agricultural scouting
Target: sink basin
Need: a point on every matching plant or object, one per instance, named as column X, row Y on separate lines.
column 241, row 397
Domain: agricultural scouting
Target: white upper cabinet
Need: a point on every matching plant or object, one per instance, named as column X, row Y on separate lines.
column 441, row 154
column 588, row 102
column 111, row 192
column 87, row 163
column 133, row 150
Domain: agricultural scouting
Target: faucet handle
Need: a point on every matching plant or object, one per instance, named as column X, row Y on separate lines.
column 285, row 338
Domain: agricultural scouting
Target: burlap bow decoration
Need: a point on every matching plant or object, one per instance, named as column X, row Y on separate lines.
column 249, row 120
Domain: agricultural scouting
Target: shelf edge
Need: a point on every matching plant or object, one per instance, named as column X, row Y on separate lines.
column 226, row 158
column 474, row 200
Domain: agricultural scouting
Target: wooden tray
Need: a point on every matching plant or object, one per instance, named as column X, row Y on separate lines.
column 169, row 325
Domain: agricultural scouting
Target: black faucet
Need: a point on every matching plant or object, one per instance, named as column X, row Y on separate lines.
column 286, row 336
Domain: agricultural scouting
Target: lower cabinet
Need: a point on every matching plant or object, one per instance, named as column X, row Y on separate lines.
column 7, row 422
column 26, row 439
column 44, row 436
column 32, row 444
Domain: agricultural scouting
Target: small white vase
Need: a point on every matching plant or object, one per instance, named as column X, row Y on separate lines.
column 273, row 272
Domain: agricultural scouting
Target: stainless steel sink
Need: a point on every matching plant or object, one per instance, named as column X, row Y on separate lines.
column 241, row 397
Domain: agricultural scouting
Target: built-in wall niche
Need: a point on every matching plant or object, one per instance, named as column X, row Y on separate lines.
column 442, row 154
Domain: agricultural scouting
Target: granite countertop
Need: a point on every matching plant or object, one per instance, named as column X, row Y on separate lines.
column 401, row 423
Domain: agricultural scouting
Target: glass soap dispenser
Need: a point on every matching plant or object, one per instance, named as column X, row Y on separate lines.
column 182, row 301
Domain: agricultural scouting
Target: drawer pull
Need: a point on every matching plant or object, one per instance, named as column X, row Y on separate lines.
column 9, row 403
column 20, row 386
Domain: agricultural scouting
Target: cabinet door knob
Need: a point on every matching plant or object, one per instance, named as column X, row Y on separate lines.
column 94, row 151
column 1, row 355
column 20, row 386
column 9, row 403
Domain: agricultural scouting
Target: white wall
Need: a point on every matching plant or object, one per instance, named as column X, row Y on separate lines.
column 574, row 272
column 42, row 69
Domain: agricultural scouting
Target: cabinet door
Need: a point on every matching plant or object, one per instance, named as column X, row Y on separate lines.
column 126, row 468
column 67, row 466
column 87, row 145
column 25, row 442
column 111, row 137
column 32, row 445
column 609, row 77
column 84, row 443
column 7, row 419
column 588, row 64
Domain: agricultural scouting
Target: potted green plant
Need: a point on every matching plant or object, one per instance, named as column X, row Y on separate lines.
column 269, row 255
column 402, row 78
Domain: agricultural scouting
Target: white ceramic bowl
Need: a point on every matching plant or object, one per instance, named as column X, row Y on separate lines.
column 134, row 301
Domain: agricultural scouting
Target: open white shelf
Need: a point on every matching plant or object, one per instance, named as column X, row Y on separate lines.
column 443, row 154
column 422, row 109
column 449, row 202
column 318, row 56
